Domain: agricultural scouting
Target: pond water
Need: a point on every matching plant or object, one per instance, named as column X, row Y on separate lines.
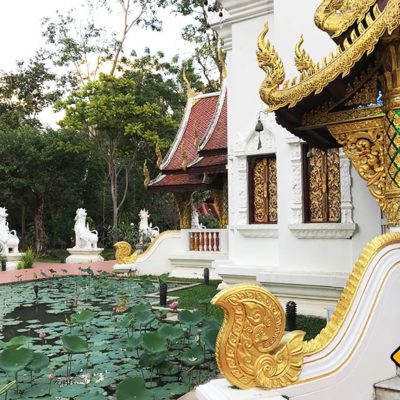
column 134, row 343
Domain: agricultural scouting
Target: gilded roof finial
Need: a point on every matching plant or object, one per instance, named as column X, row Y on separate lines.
column 302, row 60
column 222, row 63
column 158, row 155
column 189, row 91
column 184, row 163
column 146, row 174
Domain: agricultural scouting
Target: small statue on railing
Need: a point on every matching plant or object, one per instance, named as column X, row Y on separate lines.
column 8, row 239
column 84, row 237
column 195, row 223
column 146, row 230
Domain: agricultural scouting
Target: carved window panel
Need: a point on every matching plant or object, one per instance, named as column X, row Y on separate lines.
column 263, row 194
column 322, row 195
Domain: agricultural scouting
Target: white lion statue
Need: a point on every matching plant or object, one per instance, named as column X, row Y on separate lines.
column 84, row 237
column 8, row 239
column 195, row 223
column 146, row 231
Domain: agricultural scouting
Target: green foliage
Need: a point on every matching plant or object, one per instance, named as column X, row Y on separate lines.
column 133, row 389
column 74, row 344
column 27, row 259
column 14, row 360
column 209, row 221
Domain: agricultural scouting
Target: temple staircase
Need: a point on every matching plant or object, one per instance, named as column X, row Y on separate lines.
column 388, row 389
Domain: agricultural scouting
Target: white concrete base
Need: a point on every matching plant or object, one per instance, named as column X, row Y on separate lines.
column 13, row 260
column 191, row 264
column 314, row 293
column 83, row 256
column 124, row 267
column 220, row 389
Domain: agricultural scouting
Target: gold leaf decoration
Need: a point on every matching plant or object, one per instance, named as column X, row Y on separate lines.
column 146, row 175
column 251, row 348
column 302, row 60
column 123, row 253
column 347, row 55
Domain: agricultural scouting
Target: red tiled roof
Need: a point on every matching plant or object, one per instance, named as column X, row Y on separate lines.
column 219, row 136
column 176, row 180
column 209, row 161
column 201, row 115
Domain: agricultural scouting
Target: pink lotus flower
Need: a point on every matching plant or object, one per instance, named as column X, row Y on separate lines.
column 174, row 305
column 51, row 376
column 42, row 335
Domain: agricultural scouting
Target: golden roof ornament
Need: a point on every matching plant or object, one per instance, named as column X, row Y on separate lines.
column 158, row 155
column 189, row 91
column 302, row 60
column 146, row 175
column 360, row 41
column 222, row 63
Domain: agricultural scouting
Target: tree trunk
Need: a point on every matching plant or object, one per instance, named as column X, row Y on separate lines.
column 23, row 223
column 40, row 233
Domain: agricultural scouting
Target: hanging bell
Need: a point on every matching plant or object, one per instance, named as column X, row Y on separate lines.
column 259, row 126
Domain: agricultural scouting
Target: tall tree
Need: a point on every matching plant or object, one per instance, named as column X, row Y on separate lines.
column 26, row 92
column 124, row 127
column 37, row 166
column 207, row 54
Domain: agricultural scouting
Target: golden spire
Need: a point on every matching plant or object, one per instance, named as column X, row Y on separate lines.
column 146, row 174
column 222, row 63
column 302, row 60
column 189, row 91
column 158, row 155
column 184, row 156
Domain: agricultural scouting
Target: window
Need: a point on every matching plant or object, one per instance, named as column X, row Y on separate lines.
column 321, row 185
column 263, row 205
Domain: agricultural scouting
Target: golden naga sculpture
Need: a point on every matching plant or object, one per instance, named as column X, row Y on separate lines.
column 277, row 92
column 123, row 253
column 302, row 59
column 336, row 16
column 251, row 348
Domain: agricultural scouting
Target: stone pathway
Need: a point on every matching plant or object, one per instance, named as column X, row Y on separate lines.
column 45, row 267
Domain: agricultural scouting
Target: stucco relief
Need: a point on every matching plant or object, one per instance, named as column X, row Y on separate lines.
column 343, row 230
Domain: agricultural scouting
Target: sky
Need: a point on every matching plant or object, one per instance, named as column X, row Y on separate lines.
column 20, row 32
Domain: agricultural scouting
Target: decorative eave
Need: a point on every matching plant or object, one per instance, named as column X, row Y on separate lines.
column 327, row 81
column 177, row 183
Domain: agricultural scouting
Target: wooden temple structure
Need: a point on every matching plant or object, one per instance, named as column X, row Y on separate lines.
column 197, row 158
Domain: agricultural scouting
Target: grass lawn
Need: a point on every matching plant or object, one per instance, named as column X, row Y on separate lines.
column 192, row 298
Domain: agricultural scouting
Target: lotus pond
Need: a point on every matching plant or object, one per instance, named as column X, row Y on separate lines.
column 92, row 338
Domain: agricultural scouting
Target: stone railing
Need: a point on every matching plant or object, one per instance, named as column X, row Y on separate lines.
column 210, row 240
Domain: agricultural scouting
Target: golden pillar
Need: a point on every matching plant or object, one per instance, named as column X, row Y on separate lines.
column 183, row 204
column 221, row 199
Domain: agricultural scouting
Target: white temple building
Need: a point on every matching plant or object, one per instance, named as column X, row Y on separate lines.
column 298, row 217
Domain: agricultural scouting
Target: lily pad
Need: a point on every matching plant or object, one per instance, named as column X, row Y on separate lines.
column 39, row 361
column 154, row 343
column 13, row 360
column 75, row 344
column 170, row 332
column 19, row 341
column 192, row 357
column 190, row 318
column 133, row 389
column 82, row 318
